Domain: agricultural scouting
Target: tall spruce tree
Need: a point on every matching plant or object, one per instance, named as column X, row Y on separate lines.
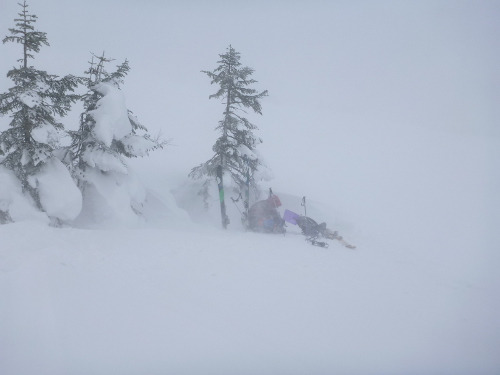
column 34, row 104
column 108, row 134
column 234, row 150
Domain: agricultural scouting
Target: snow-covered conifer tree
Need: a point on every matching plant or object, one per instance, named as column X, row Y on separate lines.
column 35, row 104
column 108, row 134
column 235, row 149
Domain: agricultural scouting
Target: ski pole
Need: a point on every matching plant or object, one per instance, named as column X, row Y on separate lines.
column 236, row 201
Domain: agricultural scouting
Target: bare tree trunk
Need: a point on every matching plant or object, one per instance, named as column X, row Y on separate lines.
column 220, row 185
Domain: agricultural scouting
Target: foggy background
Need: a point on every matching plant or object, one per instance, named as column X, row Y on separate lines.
column 426, row 63
column 370, row 102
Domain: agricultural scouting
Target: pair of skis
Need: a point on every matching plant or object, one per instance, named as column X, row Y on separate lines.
column 312, row 230
column 335, row 236
column 313, row 240
column 331, row 236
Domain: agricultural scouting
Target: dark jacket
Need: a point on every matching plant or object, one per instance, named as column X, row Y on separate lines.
column 263, row 214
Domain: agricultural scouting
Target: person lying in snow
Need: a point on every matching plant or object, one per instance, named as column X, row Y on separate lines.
column 263, row 216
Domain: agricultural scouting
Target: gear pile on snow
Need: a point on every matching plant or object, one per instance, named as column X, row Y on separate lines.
column 263, row 216
column 314, row 231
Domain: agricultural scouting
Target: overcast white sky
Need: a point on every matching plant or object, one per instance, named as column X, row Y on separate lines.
column 429, row 62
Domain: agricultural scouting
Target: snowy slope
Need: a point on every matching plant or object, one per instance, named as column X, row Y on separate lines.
column 177, row 294
column 198, row 302
column 180, row 297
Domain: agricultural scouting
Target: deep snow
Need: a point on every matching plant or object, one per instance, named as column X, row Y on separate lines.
column 179, row 295
column 199, row 301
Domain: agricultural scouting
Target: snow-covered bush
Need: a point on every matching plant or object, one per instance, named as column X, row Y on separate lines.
column 107, row 136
